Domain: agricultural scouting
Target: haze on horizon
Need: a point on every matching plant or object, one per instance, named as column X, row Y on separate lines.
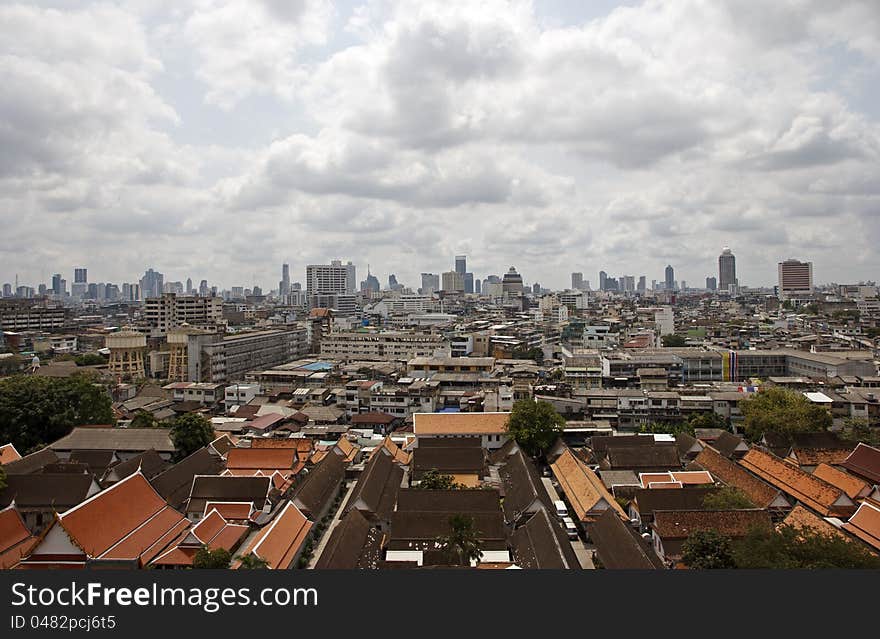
column 217, row 139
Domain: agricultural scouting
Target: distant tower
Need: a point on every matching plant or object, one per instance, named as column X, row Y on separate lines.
column 726, row 270
column 461, row 264
column 670, row 278
column 126, row 353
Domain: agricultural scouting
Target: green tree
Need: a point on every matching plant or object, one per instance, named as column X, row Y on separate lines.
column 11, row 365
column 462, row 544
column 534, row 425
column 207, row 558
column 89, row 359
column 671, row 428
column 801, row 548
column 857, row 429
column 727, row 498
column 435, row 480
column 35, row 411
column 252, row 562
column 144, row 419
column 784, row 412
column 708, row 419
column 707, row 549
column 673, row 340
column 189, row 432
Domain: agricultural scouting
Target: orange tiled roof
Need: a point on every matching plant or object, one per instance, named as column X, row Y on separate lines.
column 801, row 517
column 15, row 539
column 758, row 491
column 279, row 542
column 852, row 486
column 126, row 520
column 684, row 478
column 582, row 487
column 8, row 454
column 230, row 510
column 397, row 454
column 460, row 423
column 261, row 458
column 811, row 491
column 865, row 524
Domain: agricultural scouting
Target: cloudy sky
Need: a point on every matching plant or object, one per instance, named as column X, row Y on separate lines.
column 218, row 138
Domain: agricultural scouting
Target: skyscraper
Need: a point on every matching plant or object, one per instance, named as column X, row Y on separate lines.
column 726, row 269
column 453, row 281
column 430, row 283
column 577, row 281
column 189, row 286
column 670, row 278
column 640, row 289
column 332, row 278
column 461, row 264
column 80, row 276
column 711, row 284
column 512, row 283
column 795, row 279
column 603, row 280
column 468, row 282
column 284, row 285
column 477, row 287
column 152, row 284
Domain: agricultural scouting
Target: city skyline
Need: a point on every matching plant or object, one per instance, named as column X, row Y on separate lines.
column 557, row 138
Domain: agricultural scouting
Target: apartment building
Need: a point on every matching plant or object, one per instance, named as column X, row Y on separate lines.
column 386, row 346
column 162, row 314
column 228, row 358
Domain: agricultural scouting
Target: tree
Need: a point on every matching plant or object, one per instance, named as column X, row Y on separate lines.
column 462, row 544
column 857, row 429
column 707, row 549
column 144, row 419
column 89, row 359
column 434, row 480
column 189, row 432
column 207, row 558
column 252, row 562
column 727, row 498
column 709, row 419
column 801, row 548
column 673, row 340
column 534, row 425
column 671, row 428
column 35, row 411
column 783, row 412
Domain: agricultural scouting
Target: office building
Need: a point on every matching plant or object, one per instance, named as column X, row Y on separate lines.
column 284, row 284
column 461, row 264
column 169, row 311
column 577, row 281
column 640, row 289
column 795, row 279
column 711, row 284
column 152, row 284
column 453, row 281
column 512, row 283
column 389, row 346
column 726, row 270
column 670, row 278
column 468, row 282
column 215, row 357
column 430, row 283
column 603, row 281
column 335, row 278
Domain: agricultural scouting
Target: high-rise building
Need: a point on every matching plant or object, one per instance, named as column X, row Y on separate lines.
column 628, row 283
column 577, row 281
column 477, row 287
column 512, row 283
column 430, row 283
column 56, row 284
column 80, row 276
column 453, row 281
column 536, row 289
column 711, row 284
column 7, row 290
column 204, row 291
column 461, row 264
column 726, row 269
column 284, row 284
column 795, row 279
column 152, row 284
column 640, row 289
column 189, row 286
column 670, row 278
column 603, row 280
column 468, row 282
column 336, row 277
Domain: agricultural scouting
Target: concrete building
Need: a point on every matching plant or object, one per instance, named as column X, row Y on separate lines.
column 228, row 358
column 430, row 283
column 386, row 346
column 162, row 314
column 152, row 284
column 726, row 270
column 577, row 281
column 323, row 279
column 670, row 278
column 795, row 279
column 453, row 281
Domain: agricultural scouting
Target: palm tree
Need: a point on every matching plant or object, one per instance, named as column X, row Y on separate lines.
column 462, row 544
column 252, row 562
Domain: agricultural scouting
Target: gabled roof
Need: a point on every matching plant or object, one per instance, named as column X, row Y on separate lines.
column 375, row 492
column 865, row 524
column 15, row 538
column 758, row 491
column 648, row 501
column 352, row 544
column 448, row 460
column 128, row 520
column 261, row 459
column 8, row 454
column 281, row 541
column 619, row 546
column 677, row 477
column 643, row 458
column 523, row 490
column 150, row 463
column 214, row 531
column 679, row 524
column 448, row 501
column 850, row 484
column 428, row 424
column 118, row 439
column 540, row 543
column 319, row 487
column 582, row 487
column 811, row 491
column 32, row 463
column 729, row 444
column 345, row 449
column 175, row 482
column 397, row 453
column 57, row 491
column 227, row 488
column 864, row 461
column 801, row 517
